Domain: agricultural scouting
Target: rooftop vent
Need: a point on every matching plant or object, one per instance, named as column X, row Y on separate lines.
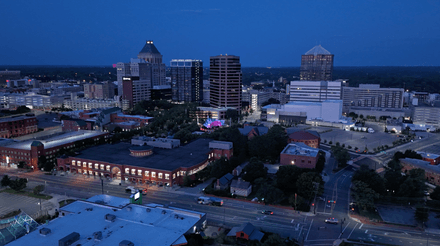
column 128, row 208
column 69, row 239
column 164, row 212
column 45, row 231
column 89, row 209
column 176, row 216
column 148, row 210
column 97, row 235
column 126, row 243
column 110, row 217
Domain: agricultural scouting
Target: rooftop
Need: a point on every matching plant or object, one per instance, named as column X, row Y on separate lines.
column 428, row 155
column 304, row 135
column 149, row 47
column 53, row 141
column 135, row 223
column 300, row 149
column 10, row 119
column 318, row 50
column 422, row 164
column 135, row 116
column 162, row 159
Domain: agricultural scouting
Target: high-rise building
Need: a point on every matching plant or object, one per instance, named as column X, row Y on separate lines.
column 372, row 96
column 150, row 54
column 317, row 65
column 134, row 90
column 187, row 80
column 102, row 90
column 225, row 81
column 315, row 91
column 136, row 68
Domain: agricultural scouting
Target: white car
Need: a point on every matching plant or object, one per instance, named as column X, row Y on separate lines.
column 331, row 221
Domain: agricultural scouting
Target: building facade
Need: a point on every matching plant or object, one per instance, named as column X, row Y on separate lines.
column 17, row 126
column 187, row 80
column 135, row 68
column 432, row 172
column 300, row 155
column 306, row 138
column 86, row 104
column 371, row 96
column 135, row 90
column 151, row 55
column 317, row 65
column 425, row 114
column 315, row 91
column 102, row 90
column 225, row 79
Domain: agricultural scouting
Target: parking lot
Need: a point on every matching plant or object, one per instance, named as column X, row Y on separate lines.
column 360, row 139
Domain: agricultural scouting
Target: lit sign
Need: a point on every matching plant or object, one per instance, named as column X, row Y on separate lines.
column 125, row 78
column 137, row 196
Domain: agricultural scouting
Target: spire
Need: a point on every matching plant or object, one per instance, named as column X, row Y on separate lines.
column 318, row 50
column 149, row 48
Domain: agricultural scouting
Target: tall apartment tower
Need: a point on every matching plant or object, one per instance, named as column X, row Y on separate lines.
column 135, row 90
column 150, row 54
column 225, row 81
column 187, row 80
column 317, row 65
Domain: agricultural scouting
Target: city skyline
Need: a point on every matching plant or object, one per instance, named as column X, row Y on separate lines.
column 370, row 33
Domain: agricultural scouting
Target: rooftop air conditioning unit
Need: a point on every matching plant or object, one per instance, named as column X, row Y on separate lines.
column 126, row 243
column 110, row 217
column 45, row 231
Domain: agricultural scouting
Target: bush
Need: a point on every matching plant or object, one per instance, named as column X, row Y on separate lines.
column 330, row 142
column 38, row 189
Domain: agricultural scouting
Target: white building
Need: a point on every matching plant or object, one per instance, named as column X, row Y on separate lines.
column 86, row 103
column 371, row 96
column 314, row 91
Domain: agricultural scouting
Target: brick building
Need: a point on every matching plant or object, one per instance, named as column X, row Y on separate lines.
column 120, row 117
column 18, row 126
column 76, row 125
column 432, row 172
column 11, row 153
column 432, row 158
column 306, row 137
column 146, row 164
column 300, row 155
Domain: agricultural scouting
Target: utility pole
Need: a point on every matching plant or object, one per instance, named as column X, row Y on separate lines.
column 102, row 186
column 314, row 199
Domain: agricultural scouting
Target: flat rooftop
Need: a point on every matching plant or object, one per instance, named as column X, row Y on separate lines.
column 422, row 164
column 65, row 138
column 136, row 223
column 300, row 149
column 135, row 116
column 10, row 119
column 162, row 159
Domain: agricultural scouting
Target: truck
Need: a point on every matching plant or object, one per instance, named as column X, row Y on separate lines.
column 214, row 201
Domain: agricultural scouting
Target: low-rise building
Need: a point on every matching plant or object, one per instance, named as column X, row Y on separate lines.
column 240, row 188
column 144, row 164
column 120, row 117
column 223, row 182
column 432, row 158
column 310, row 139
column 107, row 220
column 18, row 126
column 432, row 172
column 246, row 231
column 253, row 131
column 210, row 112
column 76, row 125
column 86, row 103
column 300, row 155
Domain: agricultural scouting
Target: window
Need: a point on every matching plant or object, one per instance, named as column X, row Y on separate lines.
column 90, row 172
column 96, row 165
column 160, row 175
column 174, row 175
column 127, row 170
column 101, row 166
column 90, row 165
column 133, row 171
column 107, row 168
column 167, row 176
column 79, row 170
column 78, row 163
column 73, row 162
column 153, row 174
column 140, row 172
column 147, row 173
column 84, row 164
column 178, row 174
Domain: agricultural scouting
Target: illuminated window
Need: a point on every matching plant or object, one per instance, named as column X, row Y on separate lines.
column 147, row 173
column 79, row 170
column 101, row 166
column 140, row 172
column 107, row 168
column 78, row 163
column 90, row 165
column 84, row 164
column 127, row 170
column 153, row 174
column 174, row 175
column 133, row 171
column 91, row 172
column 178, row 174
column 96, row 165
column 160, row 175
column 73, row 162
column 167, row 176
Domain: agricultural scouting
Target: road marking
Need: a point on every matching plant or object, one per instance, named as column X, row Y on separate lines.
column 340, row 235
column 352, row 230
column 366, row 231
column 361, row 226
column 309, row 230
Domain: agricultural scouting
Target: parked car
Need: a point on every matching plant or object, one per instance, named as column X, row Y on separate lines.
column 266, row 212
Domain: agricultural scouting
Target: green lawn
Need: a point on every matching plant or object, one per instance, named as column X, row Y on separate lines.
column 26, row 193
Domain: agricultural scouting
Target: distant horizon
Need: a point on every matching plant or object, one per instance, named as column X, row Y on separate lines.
column 268, row 67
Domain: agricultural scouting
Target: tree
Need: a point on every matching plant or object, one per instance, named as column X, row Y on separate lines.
column 320, row 163
column 254, row 169
column 305, row 184
column 435, row 195
column 364, row 195
column 187, row 181
column 18, row 184
column 287, row 176
column 341, row 155
column 270, row 193
column 38, row 189
column 270, row 101
column 421, row 214
column 117, row 129
column 231, row 114
column 361, row 116
column 277, row 240
column 5, row 181
column 21, row 164
column 371, row 178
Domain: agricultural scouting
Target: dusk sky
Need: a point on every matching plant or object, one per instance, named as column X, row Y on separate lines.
column 263, row 33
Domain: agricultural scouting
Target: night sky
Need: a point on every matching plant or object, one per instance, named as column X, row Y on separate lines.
column 263, row 33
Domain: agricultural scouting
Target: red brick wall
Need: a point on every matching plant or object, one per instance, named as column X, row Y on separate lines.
column 433, row 178
column 314, row 143
column 300, row 161
column 18, row 127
